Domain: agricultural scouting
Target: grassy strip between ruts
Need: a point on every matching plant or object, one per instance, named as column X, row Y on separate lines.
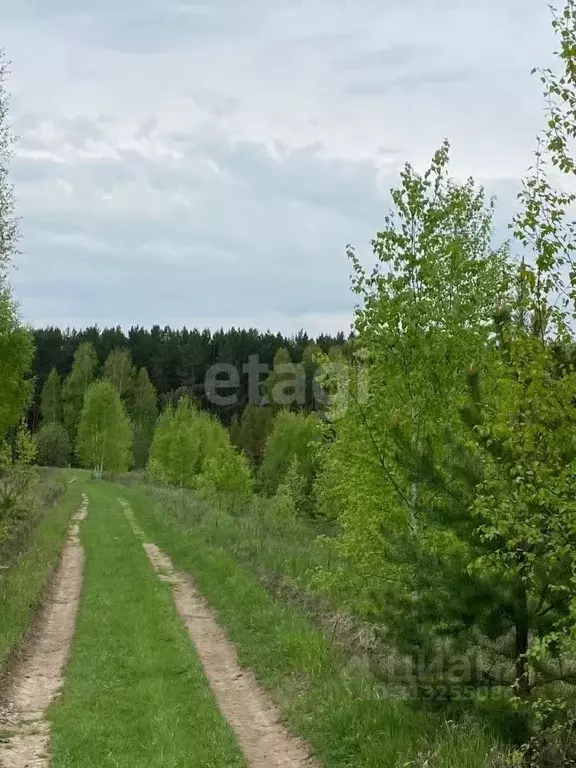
column 335, row 707
column 134, row 694
column 23, row 585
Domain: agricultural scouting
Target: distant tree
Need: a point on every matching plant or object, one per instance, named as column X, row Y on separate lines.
column 76, row 385
column 292, row 439
column 251, row 431
column 51, row 401
column 184, row 439
column 119, row 369
column 285, row 387
column 104, row 440
column 143, row 412
column 227, row 477
column 53, row 445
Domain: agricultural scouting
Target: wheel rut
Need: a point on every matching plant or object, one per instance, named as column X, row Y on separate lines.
column 264, row 740
column 38, row 677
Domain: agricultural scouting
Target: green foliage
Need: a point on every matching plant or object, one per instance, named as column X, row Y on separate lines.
column 294, row 489
column 143, row 413
column 104, row 442
column 16, row 350
column 51, row 399
column 285, row 386
column 426, row 308
column 53, row 445
column 29, row 556
column 184, row 439
column 178, row 359
column 228, row 477
column 292, row 438
column 16, row 477
column 76, row 386
column 118, row 369
column 452, row 482
column 251, row 431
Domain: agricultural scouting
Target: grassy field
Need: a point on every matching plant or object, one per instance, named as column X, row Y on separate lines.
column 30, row 558
column 135, row 694
column 339, row 708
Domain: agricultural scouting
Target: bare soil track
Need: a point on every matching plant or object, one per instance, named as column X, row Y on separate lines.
column 37, row 678
column 263, row 739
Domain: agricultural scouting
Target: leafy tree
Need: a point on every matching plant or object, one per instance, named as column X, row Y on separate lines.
column 294, row 489
column 16, row 349
column 76, row 386
column 119, row 369
column 104, row 441
column 425, row 307
column 184, row 439
column 177, row 360
column 285, row 387
column 251, row 431
column 227, row 477
column 16, row 477
column 144, row 412
column 51, row 402
column 292, row 438
column 53, row 445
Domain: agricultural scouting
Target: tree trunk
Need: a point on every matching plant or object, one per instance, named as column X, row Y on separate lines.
column 522, row 642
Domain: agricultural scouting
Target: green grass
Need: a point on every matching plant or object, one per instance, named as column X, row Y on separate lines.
column 22, row 584
column 134, row 694
column 338, row 707
column 265, row 542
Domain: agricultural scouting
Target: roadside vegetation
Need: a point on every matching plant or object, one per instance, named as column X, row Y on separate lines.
column 28, row 556
column 324, row 695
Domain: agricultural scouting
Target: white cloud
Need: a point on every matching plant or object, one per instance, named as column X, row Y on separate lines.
column 187, row 161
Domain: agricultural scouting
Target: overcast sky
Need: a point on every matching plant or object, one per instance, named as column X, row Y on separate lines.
column 206, row 163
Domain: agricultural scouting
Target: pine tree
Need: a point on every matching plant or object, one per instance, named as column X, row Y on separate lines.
column 104, row 442
column 51, row 399
column 76, row 386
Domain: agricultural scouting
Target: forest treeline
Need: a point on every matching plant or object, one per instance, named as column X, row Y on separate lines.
column 177, row 360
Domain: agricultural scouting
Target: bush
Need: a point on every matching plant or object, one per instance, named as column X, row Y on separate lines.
column 228, row 476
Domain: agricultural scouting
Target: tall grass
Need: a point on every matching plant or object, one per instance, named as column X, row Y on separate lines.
column 327, row 695
column 29, row 554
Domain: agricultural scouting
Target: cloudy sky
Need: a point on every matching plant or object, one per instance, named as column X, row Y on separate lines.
column 205, row 163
